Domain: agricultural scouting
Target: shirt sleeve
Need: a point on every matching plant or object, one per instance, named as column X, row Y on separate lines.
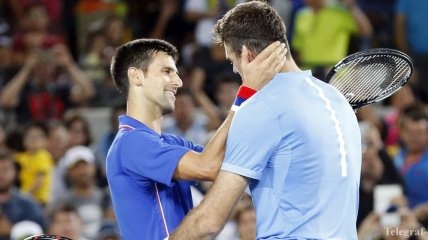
column 145, row 156
column 253, row 137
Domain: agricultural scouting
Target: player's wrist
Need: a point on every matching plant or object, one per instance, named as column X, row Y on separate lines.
column 242, row 95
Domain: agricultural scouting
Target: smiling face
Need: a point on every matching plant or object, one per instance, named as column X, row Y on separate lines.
column 161, row 82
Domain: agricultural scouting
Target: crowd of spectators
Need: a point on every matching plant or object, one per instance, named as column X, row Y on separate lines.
column 54, row 73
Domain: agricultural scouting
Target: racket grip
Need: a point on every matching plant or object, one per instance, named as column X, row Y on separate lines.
column 242, row 95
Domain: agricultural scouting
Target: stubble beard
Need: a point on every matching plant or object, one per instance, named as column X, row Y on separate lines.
column 168, row 106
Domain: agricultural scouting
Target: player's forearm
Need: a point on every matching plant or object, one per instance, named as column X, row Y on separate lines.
column 209, row 218
column 213, row 154
column 195, row 228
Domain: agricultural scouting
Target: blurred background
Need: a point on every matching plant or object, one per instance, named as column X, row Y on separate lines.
column 59, row 106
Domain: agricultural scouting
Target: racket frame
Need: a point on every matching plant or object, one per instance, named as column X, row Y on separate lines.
column 366, row 53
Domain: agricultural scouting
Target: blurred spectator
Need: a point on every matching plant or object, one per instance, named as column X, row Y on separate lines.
column 376, row 168
column 159, row 19
column 64, row 220
column 80, row 167
column 167, row 10
column 205, row 13
column 409, row 228
column 284, row 9
column 58, row 142
column 3, row 145
column 92, row 62
column 108, row 137
column 411, row 36
column 108, row 231
column 5, row 52
column 14, row 141
column 203, row 102
column 6, row 70
column 36, row 163
column 14, row 205
column 37, row 93
column 34, row 32
column 186, row 121
column 114, row 35
column 245, row 218
column 96, row 66
column 381, row 15
column 212, row 62
column 53, row 9
column 7, row 13
column 323, row 31
column 78, row 129
column 399, row 101
column 421, row 212
column 107, row 206
column 25, row 229
column 412, row 157
column 225, row 92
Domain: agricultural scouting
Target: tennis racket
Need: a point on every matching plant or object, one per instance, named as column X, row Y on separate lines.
column 46, row 237
column 370, row 76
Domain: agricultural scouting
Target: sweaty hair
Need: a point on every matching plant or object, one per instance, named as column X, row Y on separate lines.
column 253, row 24
column 139, row 54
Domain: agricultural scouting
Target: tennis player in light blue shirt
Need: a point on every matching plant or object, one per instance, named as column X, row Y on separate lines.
column 296, row 143
column 299, row 156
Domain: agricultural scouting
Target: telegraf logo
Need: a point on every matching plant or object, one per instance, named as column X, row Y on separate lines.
column 406, row 233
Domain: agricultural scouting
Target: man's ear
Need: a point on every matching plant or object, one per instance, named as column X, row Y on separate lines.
column 135, row 76
column 250, row 54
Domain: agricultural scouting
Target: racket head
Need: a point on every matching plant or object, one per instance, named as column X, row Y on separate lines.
column 370, row 76
column 47, row 237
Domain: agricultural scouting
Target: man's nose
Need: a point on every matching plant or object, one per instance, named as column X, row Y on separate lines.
column 177, row 81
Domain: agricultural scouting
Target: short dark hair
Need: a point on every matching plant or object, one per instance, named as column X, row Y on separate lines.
column 253, row 24
column 139, row 54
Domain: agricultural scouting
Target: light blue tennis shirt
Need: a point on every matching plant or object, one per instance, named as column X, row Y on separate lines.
column 298, row 142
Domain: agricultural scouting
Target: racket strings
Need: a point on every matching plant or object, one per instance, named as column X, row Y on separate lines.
column 378, row 75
